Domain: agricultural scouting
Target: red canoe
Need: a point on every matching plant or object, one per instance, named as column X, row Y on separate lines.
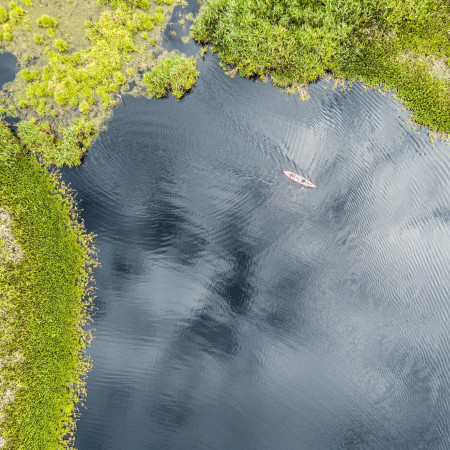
column 299, row 179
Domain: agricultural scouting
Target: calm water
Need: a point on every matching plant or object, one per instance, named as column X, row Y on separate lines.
column 8, row 68
column 238, row 310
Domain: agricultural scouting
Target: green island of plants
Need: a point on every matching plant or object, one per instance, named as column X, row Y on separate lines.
column 398, row 45
column 177, row 74
column 46, row 262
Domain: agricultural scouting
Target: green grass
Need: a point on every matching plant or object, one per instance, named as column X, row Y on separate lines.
column 392, row 43
column 48, row 292
column 65, row 149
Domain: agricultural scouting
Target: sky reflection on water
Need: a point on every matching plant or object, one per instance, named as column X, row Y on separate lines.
column 239, row 310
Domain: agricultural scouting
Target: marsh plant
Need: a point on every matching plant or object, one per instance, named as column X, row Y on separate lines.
column 67, row 93
column 177, row 74
column 76, row 59
column 395, row 44
column 45, row 300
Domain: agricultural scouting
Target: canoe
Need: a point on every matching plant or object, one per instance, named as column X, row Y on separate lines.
column 299, row 179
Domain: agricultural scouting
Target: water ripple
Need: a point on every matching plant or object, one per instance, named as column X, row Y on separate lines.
column 237, row 309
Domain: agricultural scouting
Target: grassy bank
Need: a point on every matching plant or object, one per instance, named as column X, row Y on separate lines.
column 44, row 303
column 400, row 45
column 77, row 58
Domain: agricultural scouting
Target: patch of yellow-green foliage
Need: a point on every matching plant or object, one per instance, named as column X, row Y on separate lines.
column 10, row 17
column 47, row 293
column 69, row 82
column 397, row 44
column 67, row 148
column 177, row 74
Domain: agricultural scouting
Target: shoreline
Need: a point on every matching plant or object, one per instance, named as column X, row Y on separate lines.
column 399, row 50
column 47, row 295
column 46, row 284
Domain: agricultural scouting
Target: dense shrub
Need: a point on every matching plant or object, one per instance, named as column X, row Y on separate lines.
column 387, row 42
column 177, row 74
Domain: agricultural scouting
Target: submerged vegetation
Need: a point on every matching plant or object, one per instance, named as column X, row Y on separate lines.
column 44, row 306
column 72, row 80
column 403, row 46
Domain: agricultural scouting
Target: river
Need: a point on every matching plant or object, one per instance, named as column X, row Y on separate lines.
column 239, row 310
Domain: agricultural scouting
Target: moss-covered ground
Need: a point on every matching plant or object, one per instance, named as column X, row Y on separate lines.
column 45, row 303
column 396, row 44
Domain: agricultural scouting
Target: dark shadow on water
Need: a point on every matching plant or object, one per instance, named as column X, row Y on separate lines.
column 8, row 68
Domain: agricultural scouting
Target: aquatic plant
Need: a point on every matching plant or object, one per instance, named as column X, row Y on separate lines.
column 63, row 149
column 39, row 39
column 16, row 12
column 86, row 81
column 381, row 42
column 47, row 22
column 46, row 296
column 177, row 75
column 10, row 19
column 61, row 45
column 4, row 16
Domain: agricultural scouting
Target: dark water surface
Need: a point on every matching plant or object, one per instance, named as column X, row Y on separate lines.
column 8, row 68
column 238, row 310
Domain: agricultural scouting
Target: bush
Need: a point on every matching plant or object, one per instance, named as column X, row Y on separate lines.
column 4, row 16
column 47, row 22
column 177, row 74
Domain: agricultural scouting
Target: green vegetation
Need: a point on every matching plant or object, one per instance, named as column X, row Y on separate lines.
column 177, row 74
column 64, row 150
column 61, row 45
column 39, row 39
column 47, row 22
column 400, row 45
column 4, row 16
column 10, row 19
column 44, row 302
column 76, row 59
column 78, row 78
